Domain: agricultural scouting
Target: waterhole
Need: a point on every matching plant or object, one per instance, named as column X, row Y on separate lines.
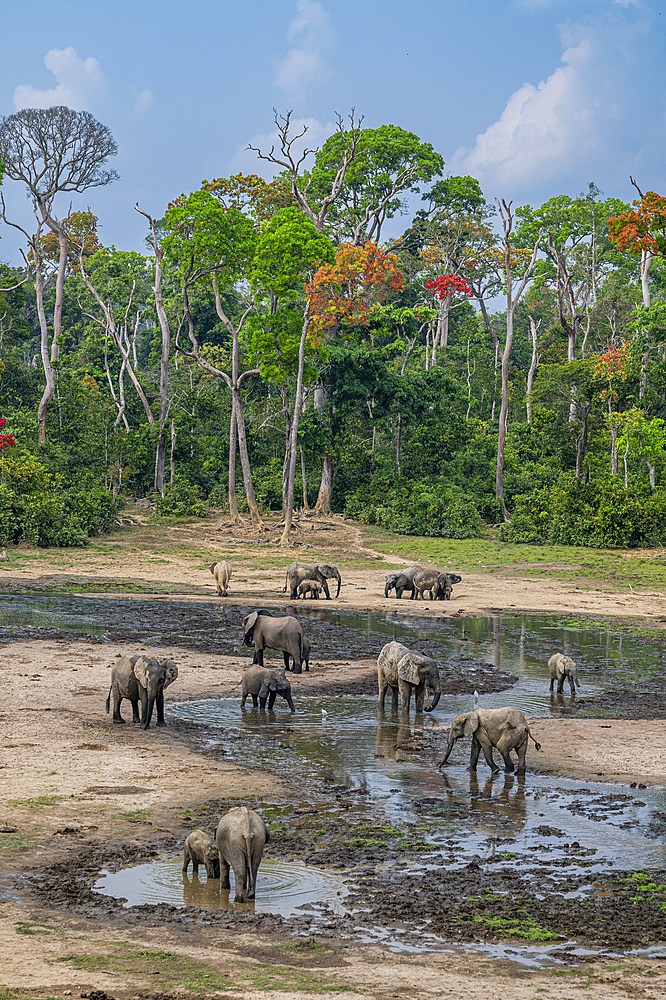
column 282, row 887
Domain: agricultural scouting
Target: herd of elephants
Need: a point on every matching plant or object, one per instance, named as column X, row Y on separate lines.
column 241, row 833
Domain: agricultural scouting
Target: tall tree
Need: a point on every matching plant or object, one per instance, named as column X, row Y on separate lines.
column 53, row 151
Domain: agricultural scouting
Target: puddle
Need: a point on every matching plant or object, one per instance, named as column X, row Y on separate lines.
column 282, row 887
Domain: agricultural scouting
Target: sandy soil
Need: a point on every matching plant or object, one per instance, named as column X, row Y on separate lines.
column 66, row 773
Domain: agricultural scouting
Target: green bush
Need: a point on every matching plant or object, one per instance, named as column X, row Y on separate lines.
column 181, row 499
column 600, row 514
column 416, row 507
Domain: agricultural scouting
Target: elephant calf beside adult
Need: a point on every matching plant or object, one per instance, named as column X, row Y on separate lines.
column 401, row 581
column 262, row 630
column 503, row 728
column 406, row 670
column 297, row 572
column 141, row 678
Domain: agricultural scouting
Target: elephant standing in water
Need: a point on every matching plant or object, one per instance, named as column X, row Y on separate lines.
column 406, row 670
column 563, row 668
column 503, row 728
column 261, row 629
column 141, row 678
column 201, row 849
column 261, row 683
column 297, row 572
column 241, row 835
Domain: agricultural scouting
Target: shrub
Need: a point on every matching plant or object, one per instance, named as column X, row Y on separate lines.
column 416, row 507
column 181, row 499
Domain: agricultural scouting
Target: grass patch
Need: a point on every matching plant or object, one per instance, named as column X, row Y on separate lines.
column 527, row 929
column 17, row 843
column 196, row 978
column 37, row 803
column 28, row 927
column 137, row 816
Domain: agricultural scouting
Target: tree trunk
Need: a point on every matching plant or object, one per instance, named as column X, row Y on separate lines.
column 245, row 461
column 533, row 366
column 306, row 506
column 289, row 514
column 646, row 264
column 398, row 449
column 504, row 409
column 233, row 506
column 49, row 389
column 172, row 462
column 651, row 471
column 323, row 505
column 164, row 373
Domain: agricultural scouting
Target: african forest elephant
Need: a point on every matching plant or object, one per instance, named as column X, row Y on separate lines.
column 321, row 572
column 504, row 728
column 262, row 683
column 406, row 670
column 222, row 573
column 401, row 581
column 241, row 835
column 261, row 629
column 309, row 588
column 201, row 849
column 446, row 582
column 141, row 678
column 563, row 668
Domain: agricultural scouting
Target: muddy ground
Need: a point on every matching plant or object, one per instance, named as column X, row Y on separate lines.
column 78, row 795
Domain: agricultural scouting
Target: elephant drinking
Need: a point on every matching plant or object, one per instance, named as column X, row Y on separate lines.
column 261, row 684
column 406, row 670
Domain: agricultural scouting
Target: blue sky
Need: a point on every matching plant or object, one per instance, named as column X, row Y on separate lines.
column 533, row 97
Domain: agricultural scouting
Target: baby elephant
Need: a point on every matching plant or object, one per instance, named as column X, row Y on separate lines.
column 141, row 678
column 201, row 849
column 263, row 683
column 222, row 573
column 563, row 668
column 309, row 588
column 241, row 835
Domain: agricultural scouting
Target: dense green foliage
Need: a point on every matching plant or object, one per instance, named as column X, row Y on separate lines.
column 412, row 440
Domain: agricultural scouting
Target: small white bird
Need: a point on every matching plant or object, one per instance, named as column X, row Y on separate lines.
column 324, row 712
column 476, row 698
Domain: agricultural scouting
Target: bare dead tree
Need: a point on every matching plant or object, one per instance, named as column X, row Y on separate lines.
column 292, row 162
column 534, row 331
column 53, row 151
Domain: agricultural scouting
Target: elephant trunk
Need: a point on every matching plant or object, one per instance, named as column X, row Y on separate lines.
column 145, row 723
column 287, row 697
column 436, row 695
column 339, row 579
column 448, row 753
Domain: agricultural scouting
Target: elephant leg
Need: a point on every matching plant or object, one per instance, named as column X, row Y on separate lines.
column 143, row 697
column 244, row 699
column 394, row 699
column 419, row 697
column 560, row 684
column 252, row 874
column 259, row 656
column 382, row 692
column 117, row 702
column 405, row 695
column 160, row 709
column 552, row 681
column 224, row 874
column 487, row 748
column 136, row 717
column 186, row 860
column 240, row 874
column 573, row 689
column 285, row 657
column 297, row 668
column 271, row 700
column 521, row 750
column 398, row 593
column 474, row 754
column 255, row 700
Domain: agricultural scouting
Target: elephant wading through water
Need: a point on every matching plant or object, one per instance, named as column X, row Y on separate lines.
column 406, row 670
column 201, row 849
column 261, row 684
column 261, row 629
column 563, row 668
column 141, row 678
column 241, row 835
column 503, row 728
column 297, row 572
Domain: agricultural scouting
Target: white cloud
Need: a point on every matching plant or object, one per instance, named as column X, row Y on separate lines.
column 304, row 63
column 78, row 82
column 142, row 102
column 246, row 161
column 566, row 119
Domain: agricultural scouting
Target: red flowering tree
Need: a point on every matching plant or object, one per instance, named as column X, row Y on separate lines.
column 342, row 294
column 446, row 288
column 612, row 368
column 6, row 440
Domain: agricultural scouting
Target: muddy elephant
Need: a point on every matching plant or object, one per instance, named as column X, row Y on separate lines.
column 261, row 629
column 141, row 678
column 426, row 581
column 563, row 668
column 406, row 670
column 309, row 588
column 261, row 684
column 222, row 573
column 401, row 581
column 321, row 572
column 503, row 728
column 241, row 835
column 446, row 582
column 201, row 849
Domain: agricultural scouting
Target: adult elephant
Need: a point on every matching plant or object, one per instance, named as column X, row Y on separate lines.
column 297, row 572
column 141, row 678
column 503, row 728
column 406, row 670
column 241, row 835
column 563, row 668
column 261, row 629
column 401, row 581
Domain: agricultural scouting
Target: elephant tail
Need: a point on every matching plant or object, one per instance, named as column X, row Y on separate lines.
column 108, row 700
column 537, row 745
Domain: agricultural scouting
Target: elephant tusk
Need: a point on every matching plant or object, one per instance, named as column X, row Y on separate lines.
column 428, row 697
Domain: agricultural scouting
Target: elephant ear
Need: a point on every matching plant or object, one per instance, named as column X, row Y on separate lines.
column 263, row 690
column 409, row 669
column 250, row 622
column 471, row 723
column 141, row 668
column 212, row 568
column 171, row 672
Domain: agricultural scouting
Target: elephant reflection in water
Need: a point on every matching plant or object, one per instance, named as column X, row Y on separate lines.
column 208, row 895
column 503, row 813
column 396, row 740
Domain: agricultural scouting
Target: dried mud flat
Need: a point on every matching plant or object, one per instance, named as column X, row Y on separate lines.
column 78, row 794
